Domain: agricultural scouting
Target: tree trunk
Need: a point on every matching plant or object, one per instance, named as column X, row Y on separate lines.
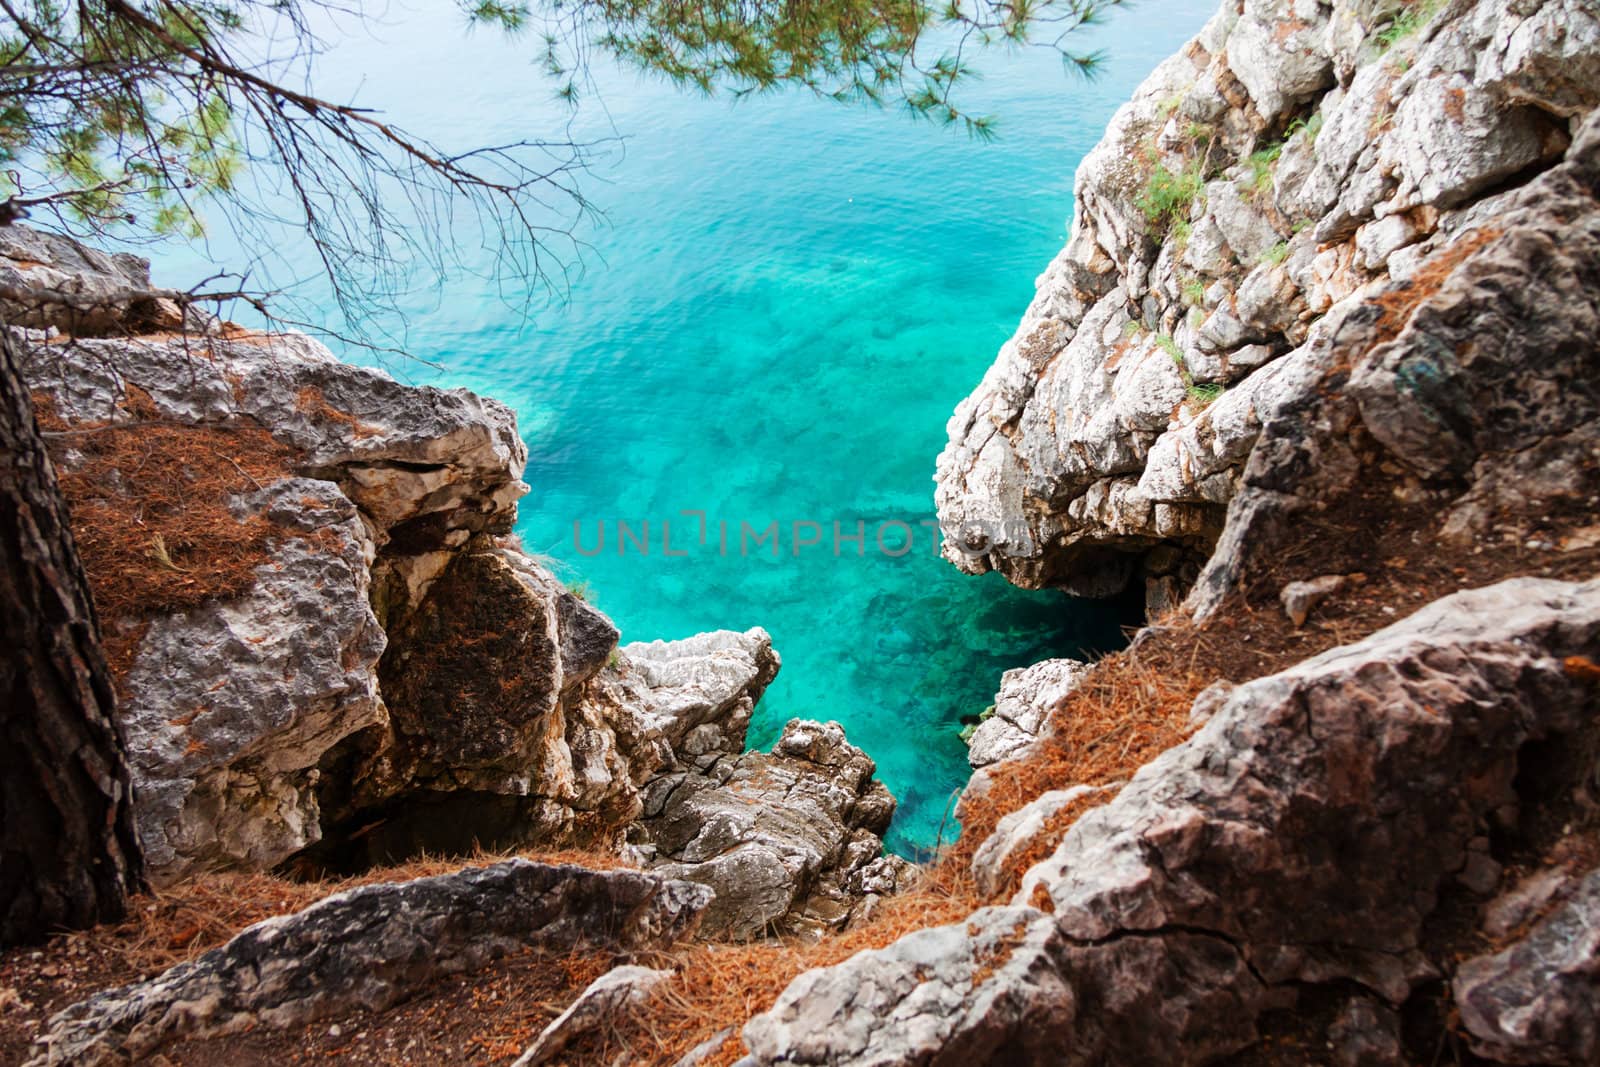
column 69, row 855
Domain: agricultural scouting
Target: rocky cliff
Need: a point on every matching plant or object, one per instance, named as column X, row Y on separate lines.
column 330, row 653
column 1264, row 186
column 1317, row 366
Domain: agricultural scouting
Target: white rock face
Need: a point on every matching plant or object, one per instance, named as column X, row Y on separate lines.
column 791, row 840
column 1108, row 437
column 1021, row 707
column 229, row 707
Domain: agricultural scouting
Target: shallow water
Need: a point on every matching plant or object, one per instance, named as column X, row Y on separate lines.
column 794, row 296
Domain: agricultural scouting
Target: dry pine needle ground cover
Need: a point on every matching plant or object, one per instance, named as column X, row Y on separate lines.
column 1130, row 708
column 166, row 516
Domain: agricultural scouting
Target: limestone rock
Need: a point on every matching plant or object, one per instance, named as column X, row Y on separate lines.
column 399, row 677
column 1470, row 387
column 1526, row 901
column 1299, row 598
column 1398, row 744
column 1024, row 702
column 613, row 993
column 482, row 678
column 228, row 708
column 1248, row 862
column 232, row 708
column 694, row 696
column 54, row 283
column 1006, row 986
column 1337, row 153
column 371, row 947
column 1016, row 830
column 1538, row 1001
column 788, row 839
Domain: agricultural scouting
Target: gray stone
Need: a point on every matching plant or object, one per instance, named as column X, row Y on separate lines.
column 613, row 994
column 1299, row 598
column 1005, row 986
column 1027, row 696
column 994, row 859
column 1374, row 759
column 1538, row 1001
column 371, row 947
column 49, row 282
column 788, row 839
column 1526, row 901
column 1469, row 395
column 229, row 707
column 1246, row 863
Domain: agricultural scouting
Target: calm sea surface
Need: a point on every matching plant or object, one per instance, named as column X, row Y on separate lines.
column 785, row 300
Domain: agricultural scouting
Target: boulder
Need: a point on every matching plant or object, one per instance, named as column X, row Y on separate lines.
column 1006, row 986
column 614, row 993
column 1250, row 863
column 231, row 706
column 791, row 840
column 1538, row 1000
column 1027, row 696
column 370, row 947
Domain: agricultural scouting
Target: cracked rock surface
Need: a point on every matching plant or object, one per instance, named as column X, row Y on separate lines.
column 400, row 676
column 1538, row 1001
column 791, row 840
column 371, row 947
column 1332, row 155
column 1253, row 859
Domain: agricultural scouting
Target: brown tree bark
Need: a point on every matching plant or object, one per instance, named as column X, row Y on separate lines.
column 69, row 855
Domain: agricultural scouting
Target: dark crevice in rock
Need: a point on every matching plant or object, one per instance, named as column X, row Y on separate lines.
column 424, row 822
column 394, row 465
column 1428, row 1028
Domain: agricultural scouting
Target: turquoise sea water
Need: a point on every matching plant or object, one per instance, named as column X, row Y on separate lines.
column 789, row 297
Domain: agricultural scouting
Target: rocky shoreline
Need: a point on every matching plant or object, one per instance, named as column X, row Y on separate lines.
column 1316, row 370
column 347, row 662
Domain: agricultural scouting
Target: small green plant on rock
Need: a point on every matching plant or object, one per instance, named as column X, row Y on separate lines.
column 1165, row 342
column 1200, row 135
column 972, row 727
column 1412, row 16
column 1179, row 235
column 1199, row 395
column 1275, row 255
column 1310, row 127
column 579, row 589
column 1168, row 198
column 1262, row 164
column 1194, row 292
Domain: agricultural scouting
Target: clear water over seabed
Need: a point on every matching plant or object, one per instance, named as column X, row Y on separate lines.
column 793, row 297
